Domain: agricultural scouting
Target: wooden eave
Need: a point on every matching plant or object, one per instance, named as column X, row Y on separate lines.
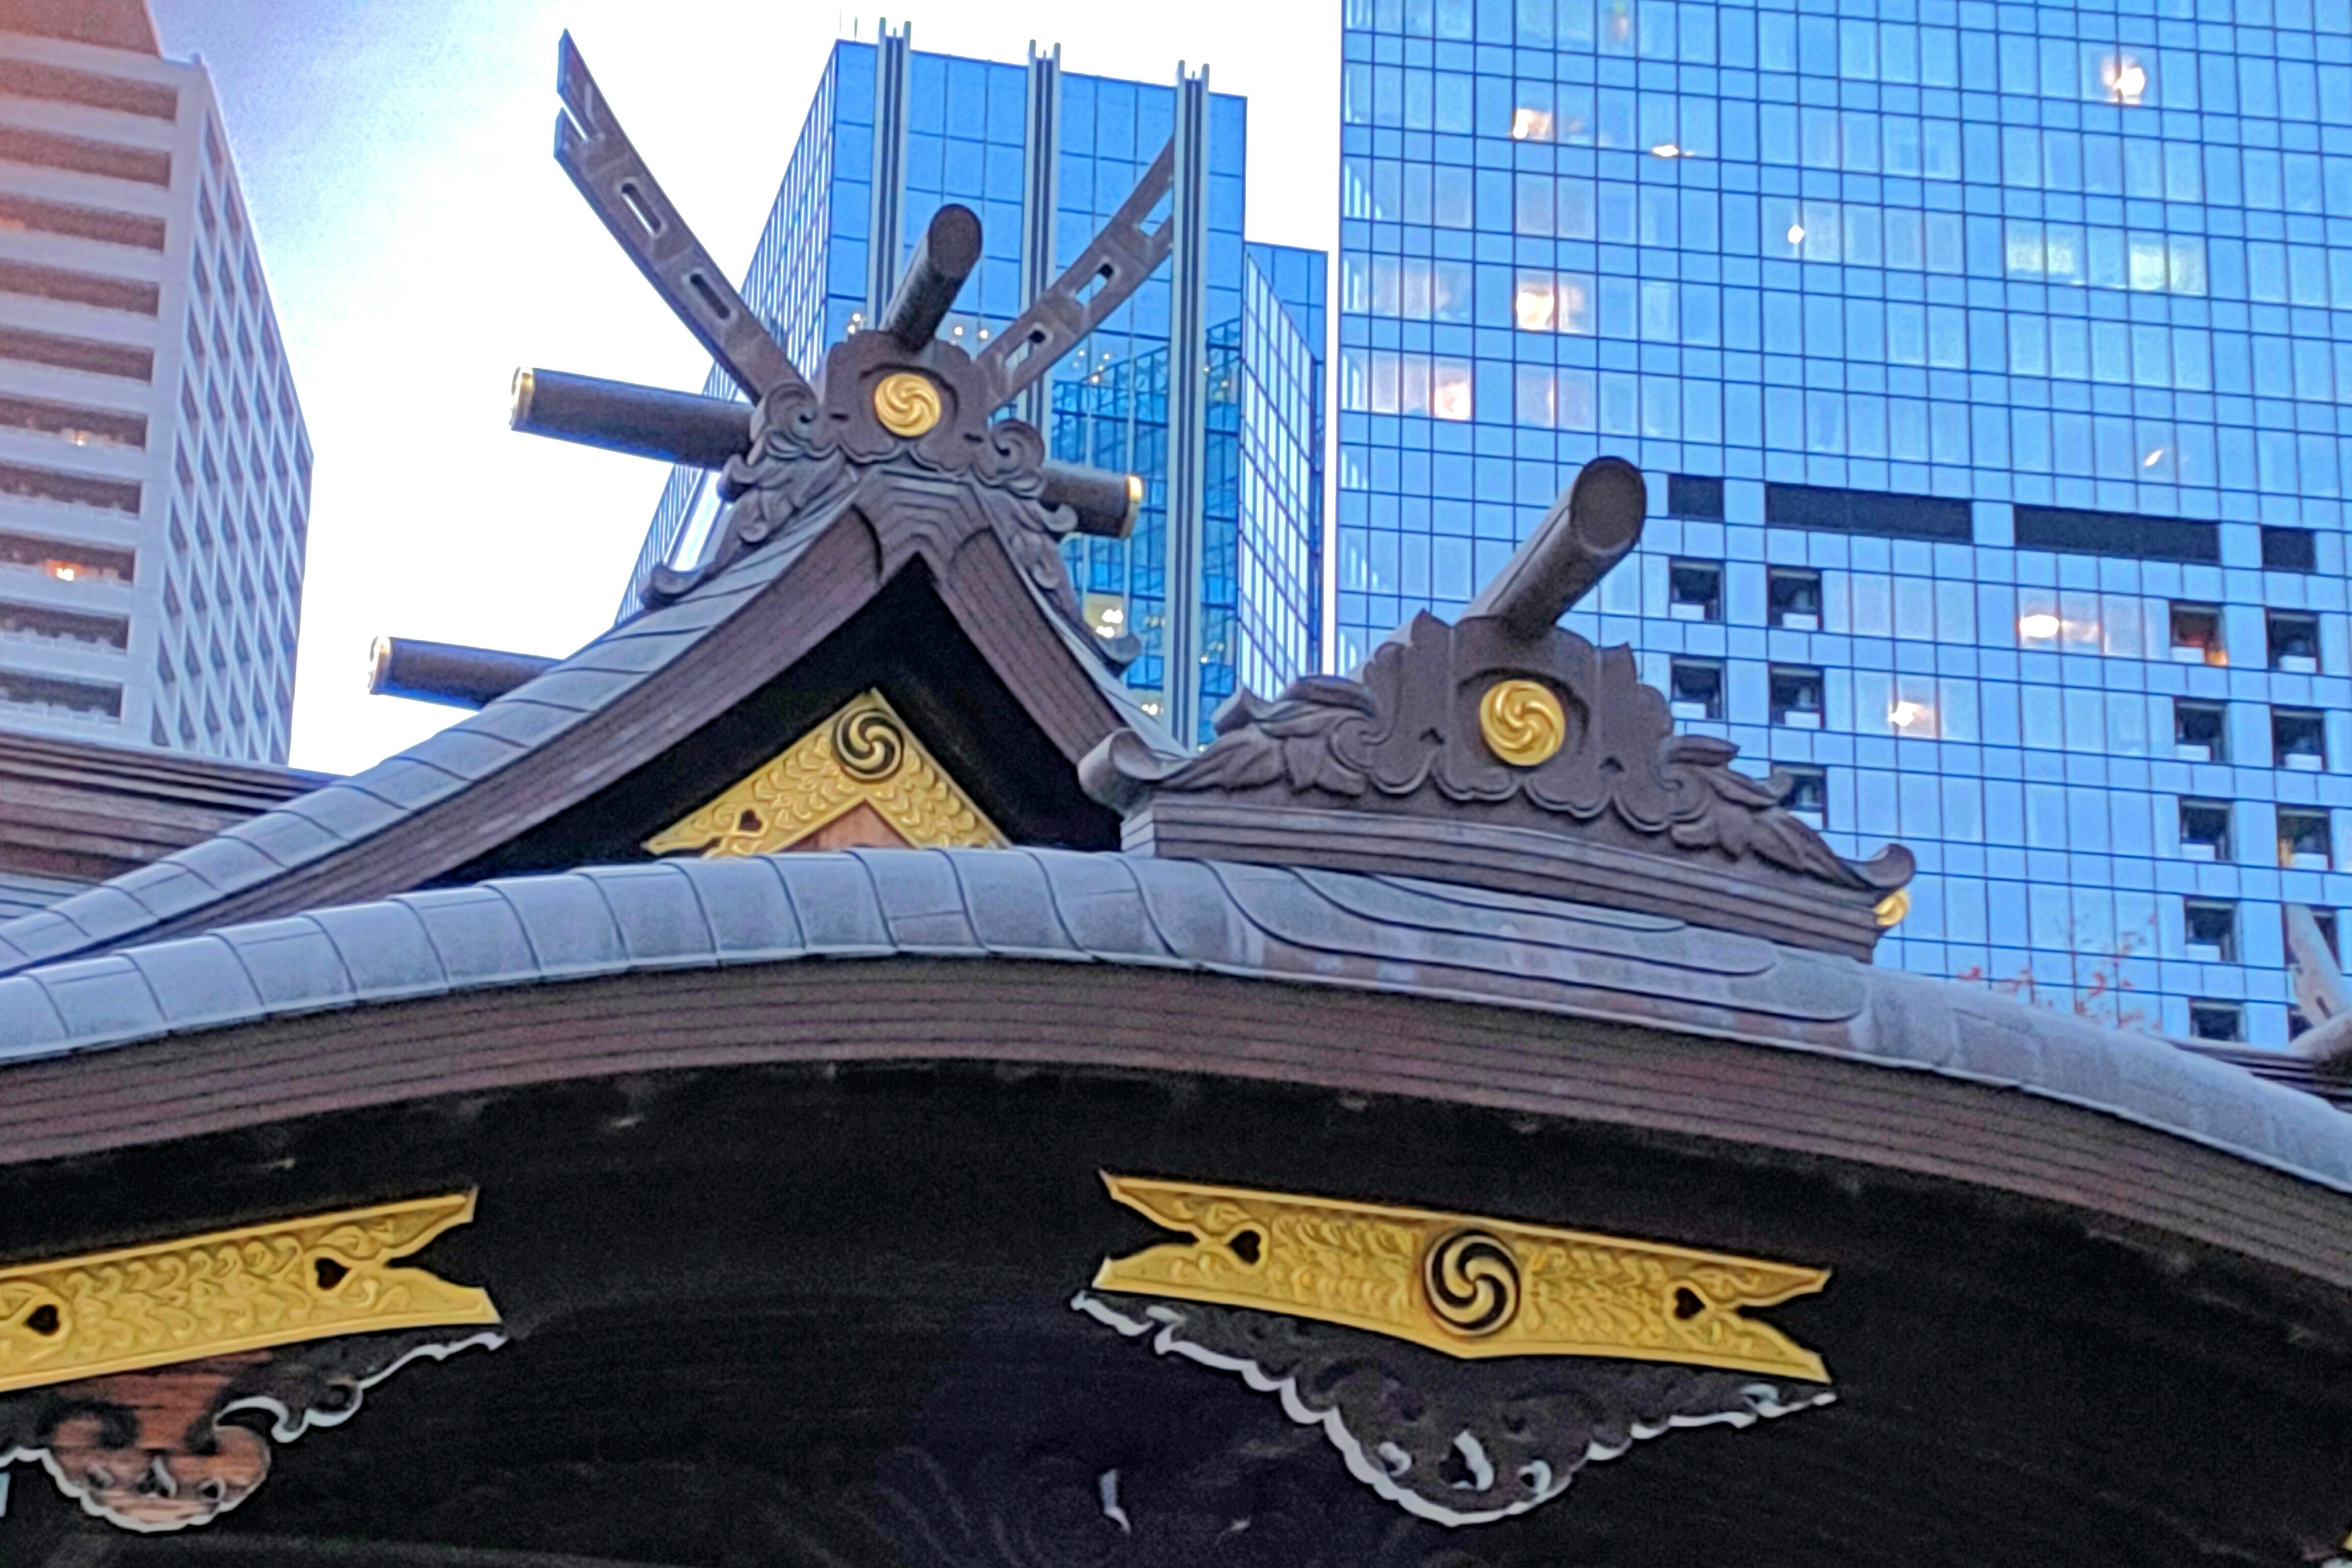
column 85, row 812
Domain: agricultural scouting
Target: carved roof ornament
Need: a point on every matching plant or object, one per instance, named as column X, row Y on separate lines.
column 891, row 406
column 1507, row 752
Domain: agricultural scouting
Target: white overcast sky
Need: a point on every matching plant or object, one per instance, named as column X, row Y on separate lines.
column 421, row 244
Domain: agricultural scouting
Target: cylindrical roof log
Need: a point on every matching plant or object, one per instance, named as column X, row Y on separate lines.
column 1106, row 502
column 1586, row 532
column 621, row 417
column 950, row 250
column 447, row 673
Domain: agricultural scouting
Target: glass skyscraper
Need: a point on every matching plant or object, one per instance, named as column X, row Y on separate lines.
column 893, row 134
column 1985, row 360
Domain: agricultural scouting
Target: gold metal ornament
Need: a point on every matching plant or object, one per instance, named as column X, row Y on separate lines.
column 863, row 755
column 907, row 402
column 1465, row 1286
column 1522, row 720
column 172, row 1302
column 1890, row 910
column 1472, row 1282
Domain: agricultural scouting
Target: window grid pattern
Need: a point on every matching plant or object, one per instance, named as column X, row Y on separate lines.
column 1278, row 569
column 2009, row 255
column 157, row 507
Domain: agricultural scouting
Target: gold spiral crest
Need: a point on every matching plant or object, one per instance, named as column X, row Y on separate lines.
column 869, row 745
column 1473, row 1283
column 907, row 402
column 1523, row 722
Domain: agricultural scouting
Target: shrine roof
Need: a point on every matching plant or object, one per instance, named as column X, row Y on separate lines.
column 1297, row 927
column 329, row 819
column 218, row 878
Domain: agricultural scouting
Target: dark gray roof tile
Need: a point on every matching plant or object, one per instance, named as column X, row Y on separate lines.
column 289, row 837
column 568, row 923
column 105, row 911
column 476, row 934
column 626, row 651
column 293, row 963
column 228, row 863
column 522, row 721
column 751, row 917
column 1010, row 906
column 198, row 981
column 1190, row 912
column 1095, row 899
column 706, row 608
column 384, row 951
column 350, row 811
column 1432, row 907
column 102, row 998
column 581, row 686
column 659, row 915
column 165, row 888
column 401, row 781
column 834, row 900
column 921, row 903
column 469, row 753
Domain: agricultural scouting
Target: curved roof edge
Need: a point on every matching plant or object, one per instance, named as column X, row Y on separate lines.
column 1305, row 927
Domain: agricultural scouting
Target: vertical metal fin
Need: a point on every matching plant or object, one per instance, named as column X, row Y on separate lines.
column 1114, row 265
column 1188, row 423
column 596, row 154
column 1041, row 188
column 886, row 212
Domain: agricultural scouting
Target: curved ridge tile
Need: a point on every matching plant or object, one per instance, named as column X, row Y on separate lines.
column 402, row 783
column 41, row 936
column 230, row 865
column 567, row 923
column 1099, row 904
column 1008, row 904
column 1247, row 920
column 1192, row 917
column 30, row 1023
column 197, row 982
column 384, row 950
column 1476, row 957
column 840, row 912
column 1666, row 943
column 293, row 964
column 1497, row 899
column 471, row 754
column 102, row 1001
column 921, row 902
column 289, row 837
column 749, row 916
column 476, row 933
column 104, row 913
column 660, row 917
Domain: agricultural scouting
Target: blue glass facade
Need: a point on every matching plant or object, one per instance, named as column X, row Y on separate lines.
column 1986, row 363
column 966, row 141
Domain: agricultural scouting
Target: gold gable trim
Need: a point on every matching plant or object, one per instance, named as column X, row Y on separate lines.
column 863, row 755
column 1460, row 1284
column 234, row 1290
